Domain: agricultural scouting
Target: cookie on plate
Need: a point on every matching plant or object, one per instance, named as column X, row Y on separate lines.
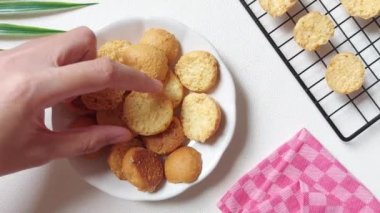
column 148, row 59
column 82, row 121
column 113, row 50
column 345, row 73
column 173, row 89
column 313, row 30
column 277, row 8
column 147, row 114
column 117, row 154
column 365, row 9
column 110, row 117
column 197, row 71
column 107, row 99
column 167, row 141
column 164, row 41
column 184, row 165
column 200, row 116
column 143, row 168
column 76, row 105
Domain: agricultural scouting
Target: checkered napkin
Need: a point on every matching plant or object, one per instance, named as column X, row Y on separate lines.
column 301, row 176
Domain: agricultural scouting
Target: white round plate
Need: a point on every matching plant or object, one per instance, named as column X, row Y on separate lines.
column 96, row 172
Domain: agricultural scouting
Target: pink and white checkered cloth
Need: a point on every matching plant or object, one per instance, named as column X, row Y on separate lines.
column 301, row 176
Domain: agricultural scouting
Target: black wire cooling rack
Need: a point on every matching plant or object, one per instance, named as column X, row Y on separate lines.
column 348, row 115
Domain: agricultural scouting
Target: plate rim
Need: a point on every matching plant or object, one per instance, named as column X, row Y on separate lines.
column 229, row 135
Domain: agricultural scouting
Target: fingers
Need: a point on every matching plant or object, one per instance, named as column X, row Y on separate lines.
column 91, row 76
column 62, row 49
column 74, row 46
column 84, row 140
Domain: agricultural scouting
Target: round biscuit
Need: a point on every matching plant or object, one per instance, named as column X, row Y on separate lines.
column 106, row 99
column 117, row 154
column 167, row 141
column 113, row 49
column 313, row 30
column 147, row 114
column 148, row 59
column 82, row 121
column 164, row 41
column 365, row 9
column 200, row 116
column 76, row 106
column 184, row 165
column 110, row 117
column 173, row 89
column 345, row 73
column 143, row 168
column 197, row 71
column 277, row 8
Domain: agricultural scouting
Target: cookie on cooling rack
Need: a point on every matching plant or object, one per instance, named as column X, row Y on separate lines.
column 148, row 59
column 147, row 114
column 345, row 73
column 197, row 71
column 277, row 7
column 183, row 165
column 113, row 49
column 117, row 154
column 200, row 116
column 173, row 89
column 164, row 41
column 143, row 168
column 365, row 9
column 313, row 30
column 167, row 141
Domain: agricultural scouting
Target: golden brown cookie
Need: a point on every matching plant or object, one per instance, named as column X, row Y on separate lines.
column 143, row 168
column 164, row 41
column 277, row 8
column 117, row 154
column 313, row 30
column 173, row 89
column 111, row 117
column 365, row 9
column 200, row 116
column 77, row 106
column 107, row 99
column 148, row 59
column 184, row 165
column 197, row 71
column 345, row 73
column 113, row 49
column 147, row 114
column 167, row 141
column 84, row 121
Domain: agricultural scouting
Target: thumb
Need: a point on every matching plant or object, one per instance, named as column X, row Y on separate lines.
column 79, row 141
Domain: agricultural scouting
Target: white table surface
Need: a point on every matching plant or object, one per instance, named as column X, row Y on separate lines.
column 271, row 108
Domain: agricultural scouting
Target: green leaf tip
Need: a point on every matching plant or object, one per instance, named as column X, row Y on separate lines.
column 11, row 30
column 27, row 7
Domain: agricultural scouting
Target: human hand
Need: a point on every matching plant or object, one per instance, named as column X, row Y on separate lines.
column 44, row 72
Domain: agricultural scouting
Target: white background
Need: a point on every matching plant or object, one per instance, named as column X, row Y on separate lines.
column 271, row 108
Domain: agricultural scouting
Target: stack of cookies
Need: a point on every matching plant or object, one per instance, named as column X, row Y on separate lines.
column 345, row 73
column 163, row 123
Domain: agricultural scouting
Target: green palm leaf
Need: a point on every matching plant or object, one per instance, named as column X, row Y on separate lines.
column 11, row 30
column 22, row 7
